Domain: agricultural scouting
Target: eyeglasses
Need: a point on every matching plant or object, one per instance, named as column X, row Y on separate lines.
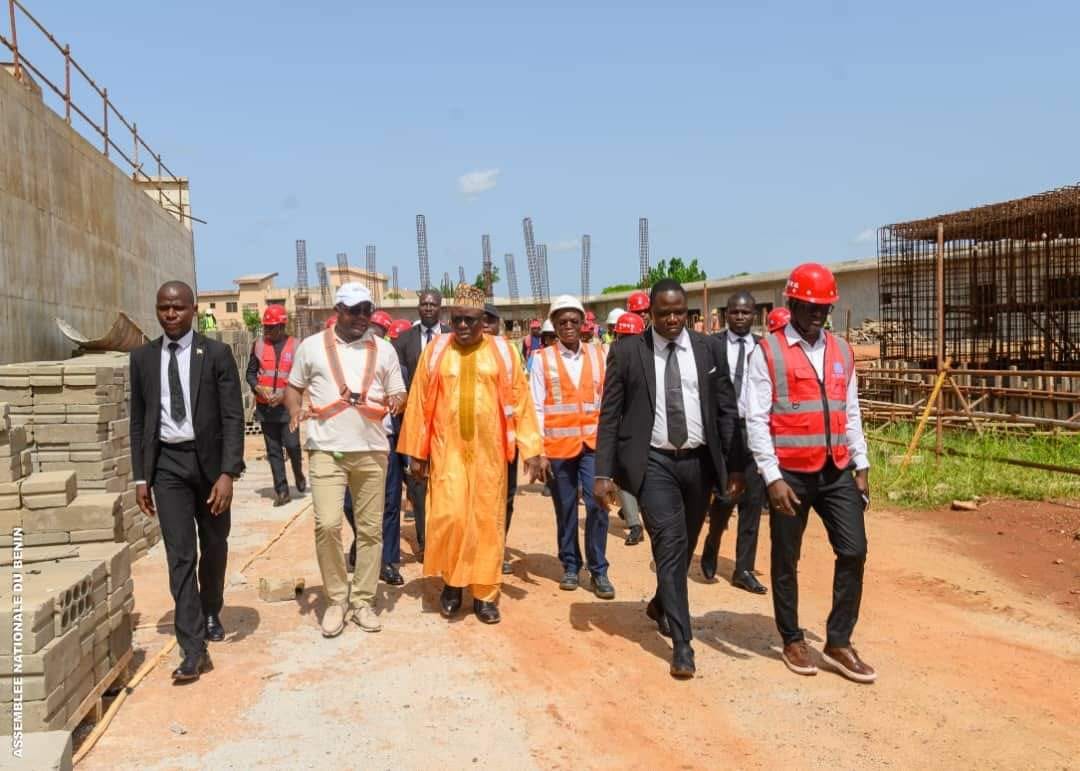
column 360, row 309
column 471, row 321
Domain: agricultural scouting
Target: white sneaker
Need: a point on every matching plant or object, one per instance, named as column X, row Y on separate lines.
column 333, row 620
column 365, row 618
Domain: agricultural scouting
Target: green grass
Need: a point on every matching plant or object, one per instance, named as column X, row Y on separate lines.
column 929, row 483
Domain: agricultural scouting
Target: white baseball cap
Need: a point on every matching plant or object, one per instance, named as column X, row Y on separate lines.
column 565, row 301
column 353, row 293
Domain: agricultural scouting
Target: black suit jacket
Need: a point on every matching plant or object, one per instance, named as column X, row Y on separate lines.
column 408, row 347
column 629, row 407
column 217, row 408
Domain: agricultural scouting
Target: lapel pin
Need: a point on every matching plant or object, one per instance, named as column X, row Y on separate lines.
column 198, row 351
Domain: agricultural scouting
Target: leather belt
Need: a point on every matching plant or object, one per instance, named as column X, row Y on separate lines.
column 685, row 452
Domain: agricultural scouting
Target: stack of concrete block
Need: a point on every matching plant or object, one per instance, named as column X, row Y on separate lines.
column 75, row 413
column 16, row 460
column 76, row 616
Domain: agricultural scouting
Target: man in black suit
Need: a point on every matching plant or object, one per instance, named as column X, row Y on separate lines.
column 409, row 346
column 738, row 343
column 668, row 433
column 187, row 445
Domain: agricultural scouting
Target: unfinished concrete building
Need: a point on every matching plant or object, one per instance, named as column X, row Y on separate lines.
column 1009, row 287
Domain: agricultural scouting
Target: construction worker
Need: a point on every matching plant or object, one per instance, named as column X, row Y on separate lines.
column 805, row 432
column 588, row 331
column 629, row 325
column 638, row 302
column 567, row 382
column 381, row 321
column 209, row 321
column 492, row 322
column 399, row 327
column 532, row 341
column 609, row 325
column 777, row 319
column 268, row 370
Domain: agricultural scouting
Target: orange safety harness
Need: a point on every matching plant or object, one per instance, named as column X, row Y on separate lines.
column 347, row 398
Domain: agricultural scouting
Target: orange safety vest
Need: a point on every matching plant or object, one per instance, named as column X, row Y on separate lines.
column 571, row 413
column 272, row 371
column 348, row 398
column 505, row 389
column 809, row 417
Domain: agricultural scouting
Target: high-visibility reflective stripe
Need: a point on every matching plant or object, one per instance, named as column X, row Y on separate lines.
column 561, row 432
column 803, row 440
column 551, row 363
column 779, row 366
column 810, row 406
column 560, row 409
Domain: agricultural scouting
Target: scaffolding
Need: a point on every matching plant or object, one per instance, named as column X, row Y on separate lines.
column 1010, row 279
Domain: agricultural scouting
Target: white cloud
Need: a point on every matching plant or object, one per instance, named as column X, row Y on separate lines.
column 867, row 236
column 476, row 182
column 571, row 245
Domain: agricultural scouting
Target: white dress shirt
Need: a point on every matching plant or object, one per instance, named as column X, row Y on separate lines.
column 759, row 406
column 733, row 364
column 695, row 432
column 572, row 360
column 436, row 330
column 169, row 430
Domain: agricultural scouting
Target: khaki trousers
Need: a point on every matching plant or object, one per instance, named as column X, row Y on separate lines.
column 365, row 474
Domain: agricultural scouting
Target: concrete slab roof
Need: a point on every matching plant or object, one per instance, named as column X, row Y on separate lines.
column 254, row 278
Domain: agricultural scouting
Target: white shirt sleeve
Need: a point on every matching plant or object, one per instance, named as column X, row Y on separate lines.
column 538, row 388
column 758, row 398
column 394, row 383
column 856, row 441
column 300, row 374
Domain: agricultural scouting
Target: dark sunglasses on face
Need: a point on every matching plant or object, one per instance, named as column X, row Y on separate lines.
column 360, row 309
column 472, row 321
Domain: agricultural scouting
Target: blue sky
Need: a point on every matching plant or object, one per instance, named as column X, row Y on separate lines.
column 752, row 134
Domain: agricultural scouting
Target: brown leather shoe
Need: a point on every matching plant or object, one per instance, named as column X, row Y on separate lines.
column 799, row 658
column 846, row 661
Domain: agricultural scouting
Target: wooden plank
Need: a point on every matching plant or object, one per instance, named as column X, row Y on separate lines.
column 93, row 699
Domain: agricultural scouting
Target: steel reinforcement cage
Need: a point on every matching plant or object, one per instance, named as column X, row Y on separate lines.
column 1011, row 278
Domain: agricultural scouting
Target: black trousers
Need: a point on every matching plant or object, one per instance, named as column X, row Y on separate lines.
column 277, row 437
column 831, row 492
column 416, row 490
column 511, row 489
column 750, row 505
column 673, row 499
column 196, row 575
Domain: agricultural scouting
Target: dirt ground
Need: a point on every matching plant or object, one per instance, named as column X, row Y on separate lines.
column 970, row 619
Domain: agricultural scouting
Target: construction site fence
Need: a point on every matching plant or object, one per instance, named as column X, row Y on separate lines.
column 240, row 341
column 101, row 119
column 1044, row 399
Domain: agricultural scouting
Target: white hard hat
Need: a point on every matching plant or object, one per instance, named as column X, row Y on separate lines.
column 352, row 293
column 209, row 311
column 547, row 326
column 564, row 301
column 613, row 317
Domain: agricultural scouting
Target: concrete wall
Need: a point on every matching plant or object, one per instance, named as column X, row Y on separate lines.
column 78, row 239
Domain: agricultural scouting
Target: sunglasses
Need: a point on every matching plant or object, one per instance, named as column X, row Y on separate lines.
column 471, row 321
column 360, row 309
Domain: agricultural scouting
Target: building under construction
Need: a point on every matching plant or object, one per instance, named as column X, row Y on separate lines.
column 999, row 285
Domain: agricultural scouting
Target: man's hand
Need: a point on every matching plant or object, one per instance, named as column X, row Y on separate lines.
column 862, row 484
column 276, row 398
column 265, row 392
column 145, row 500
column 538, row 468
column 736, row 484
column 220, row 494
column 396, row 403
column 418, row 468
column 606, row 493
column 783, row 498
column 294, row 421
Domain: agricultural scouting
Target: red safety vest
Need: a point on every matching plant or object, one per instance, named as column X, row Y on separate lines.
column 809, row 417
column 571, row 413
column 273, row 374
column 349, row 399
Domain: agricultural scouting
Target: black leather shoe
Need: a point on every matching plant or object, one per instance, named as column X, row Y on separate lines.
column 391, row 575
column 682, row 661
column 280, row 499
column 301, row 484
column 710, row 555
column 602, row 587
column 191, row 667
column 450, row 600
column 488, row 612
column 652, row 610
column 744, row 579
column 570, row 581
column 350, row 558
column 215, row 632
column 634, row 536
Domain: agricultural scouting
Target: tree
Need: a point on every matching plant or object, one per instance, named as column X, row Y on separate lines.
column 481, row 284
column 252, row 320
column 393, row 295
column 615, row 288
column 676, row 269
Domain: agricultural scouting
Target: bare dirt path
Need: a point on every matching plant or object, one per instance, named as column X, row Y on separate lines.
column 978, row 667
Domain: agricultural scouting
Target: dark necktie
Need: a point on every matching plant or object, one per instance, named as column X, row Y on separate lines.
column 427, row 335
column 673, row 396
column 740, row 368
column 176, row 391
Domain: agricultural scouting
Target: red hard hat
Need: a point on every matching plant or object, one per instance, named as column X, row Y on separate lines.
column 629, row 324
column 778, row 318
column 588, row 328
column 812, row 282
column 274, row 315
column 534, row 324
column 590, row 316
column 637, row 302
column 382, row 318
column 330, row 322
column 399, row 326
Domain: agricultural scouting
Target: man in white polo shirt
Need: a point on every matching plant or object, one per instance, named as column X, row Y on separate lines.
column 353, row 379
